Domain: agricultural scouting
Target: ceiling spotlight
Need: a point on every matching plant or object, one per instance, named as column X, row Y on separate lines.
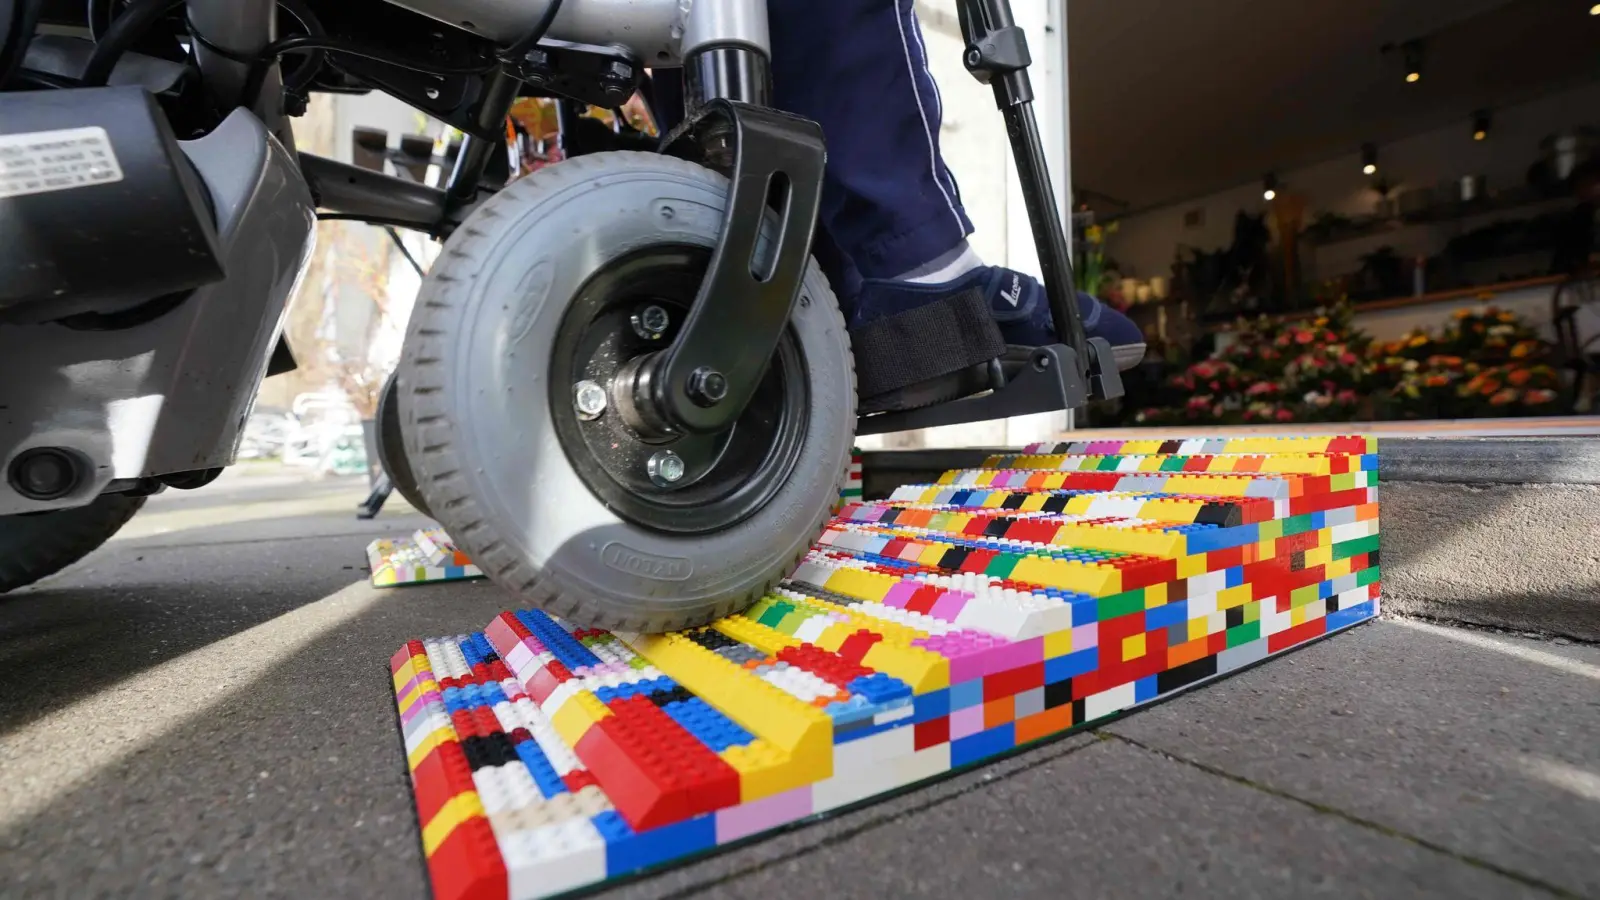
column 1594, row 10
column 1480, row 125
column 1369, row 159
column 1411, row 51
column 1269, row 185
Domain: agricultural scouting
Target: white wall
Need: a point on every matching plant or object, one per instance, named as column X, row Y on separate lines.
column 1146, row 242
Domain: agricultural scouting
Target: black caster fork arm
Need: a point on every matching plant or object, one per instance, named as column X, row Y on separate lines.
column 702, row 383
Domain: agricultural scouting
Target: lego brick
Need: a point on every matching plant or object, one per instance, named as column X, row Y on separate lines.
column 939, row 628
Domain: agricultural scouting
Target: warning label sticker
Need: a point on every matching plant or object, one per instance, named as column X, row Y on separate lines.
column 38, row 162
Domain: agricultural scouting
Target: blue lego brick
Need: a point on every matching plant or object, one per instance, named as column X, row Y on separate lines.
column 544, row 774
column 635, row 689
column 1215, row 538
column 1166, row 615
column 879, row 688
column 1351, row 616
column 967, row 693
column 1073, row 664
column 1235, row 576
column 1084, row 611
column 628, row 850
column 1319, row 521
column 866, row 728
column 557, row 640
column 1144, row 689
column 975, row 747
column 712, row 728
column 932, row 705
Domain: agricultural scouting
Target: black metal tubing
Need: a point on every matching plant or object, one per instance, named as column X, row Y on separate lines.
column 733, row 72
column 354, row 192
column 739, row 314
column 1049, row 381
column 997, row 55
column 499, row 92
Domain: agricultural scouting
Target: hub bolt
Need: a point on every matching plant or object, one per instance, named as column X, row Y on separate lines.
column 651, row 322
column 665, row 468
column 707, row 386
column 589, row 399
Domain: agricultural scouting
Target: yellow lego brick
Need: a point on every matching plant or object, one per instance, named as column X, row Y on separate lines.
column 1133, row 646
column 577, row 715
column 1054, row 481
column 922, row 669
column 995, row 500
column 1141, row 448
column 413, row 667
column 444, row 734
column 1228, row 598
column 950, row 476
column 1199, row 628
column 1155, row 595
column 1297, row 616
column 1121, row 540
column 799, row 729
column 1209, row 485
column 1337, row 568
column 865, row 585
column 456, row 810
column 1068, row 574
column 415, row 694
column 757, row 635
column 834, row 637
column 1190, row 566
column 1035, row 502
column 1167, row 509
column 763, row 770
column 1266, row 550
column 893, row 632
column 1058, row 643
column 1319, row 555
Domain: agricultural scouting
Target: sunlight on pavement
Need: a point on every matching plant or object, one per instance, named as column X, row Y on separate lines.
column 1558, row 774
column 44, row 760
column 158, row 522
column 1527, row 654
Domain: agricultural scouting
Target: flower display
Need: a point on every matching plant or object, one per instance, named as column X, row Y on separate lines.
column 1484, row 362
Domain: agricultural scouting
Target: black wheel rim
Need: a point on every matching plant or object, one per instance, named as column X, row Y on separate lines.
column 728, row 476
column 392, row 448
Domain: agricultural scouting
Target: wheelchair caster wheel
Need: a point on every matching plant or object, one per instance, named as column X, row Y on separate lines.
column 543, row 474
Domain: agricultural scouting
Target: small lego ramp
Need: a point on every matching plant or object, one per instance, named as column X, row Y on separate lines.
column 428, row 555
column 942, row 627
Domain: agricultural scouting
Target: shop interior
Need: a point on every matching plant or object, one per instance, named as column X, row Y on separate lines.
column 1342, row 210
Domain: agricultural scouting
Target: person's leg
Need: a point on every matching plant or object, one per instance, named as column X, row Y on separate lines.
column 858, row 68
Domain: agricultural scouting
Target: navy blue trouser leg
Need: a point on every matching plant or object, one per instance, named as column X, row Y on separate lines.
column 859, row 69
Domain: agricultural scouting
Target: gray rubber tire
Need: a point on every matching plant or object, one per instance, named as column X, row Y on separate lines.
column 38, row 545
column 474, row 401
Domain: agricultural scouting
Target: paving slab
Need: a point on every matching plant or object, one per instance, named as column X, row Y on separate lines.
column 1107, row 820
column 1483, row 745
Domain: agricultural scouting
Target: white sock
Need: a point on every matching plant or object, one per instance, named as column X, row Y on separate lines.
column 948, row 266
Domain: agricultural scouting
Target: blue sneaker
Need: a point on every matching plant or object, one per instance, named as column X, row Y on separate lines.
column 920, row 344
column 1015, row 301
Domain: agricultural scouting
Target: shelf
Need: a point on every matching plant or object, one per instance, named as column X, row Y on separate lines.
column 1509, row 201
column 1420, row 299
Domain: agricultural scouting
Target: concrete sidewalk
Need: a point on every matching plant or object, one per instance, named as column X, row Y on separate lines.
column 204, row 711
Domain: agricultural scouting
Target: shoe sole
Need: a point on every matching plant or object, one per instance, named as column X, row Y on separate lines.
column 1127, row 356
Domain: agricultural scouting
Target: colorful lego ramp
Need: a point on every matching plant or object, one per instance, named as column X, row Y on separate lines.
column 937, row 629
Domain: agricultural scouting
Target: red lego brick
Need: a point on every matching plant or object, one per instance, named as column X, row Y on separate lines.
column 1287, row 638
column 653, row 770
column 578, row 779
column 931, row 733
column 830, row 667
column 1013, row 681
column 1299, row 506
column 855, row 646
column 468, row 865
column 925, row 597
column 977, row 561
column 976, row 526
column 545, row 681
column 442, row 774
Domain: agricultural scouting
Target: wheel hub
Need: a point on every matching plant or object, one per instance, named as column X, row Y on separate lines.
column 619, row 444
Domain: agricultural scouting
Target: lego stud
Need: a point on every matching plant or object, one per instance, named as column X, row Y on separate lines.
column 589, row 399
column 665, row 468
column 651, row 322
